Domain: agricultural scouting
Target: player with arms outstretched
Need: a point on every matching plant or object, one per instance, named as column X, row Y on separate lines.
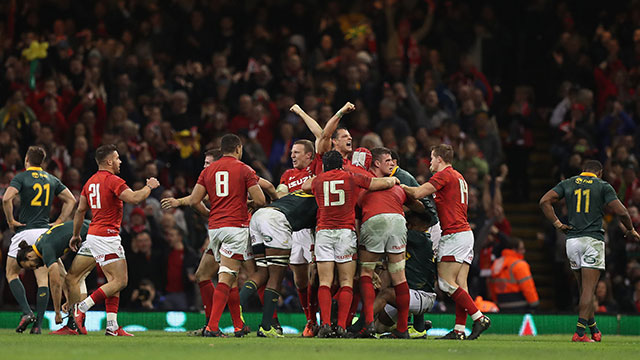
column 587, row 196
column 104, row 194
column 36, row 189
column 455, row 249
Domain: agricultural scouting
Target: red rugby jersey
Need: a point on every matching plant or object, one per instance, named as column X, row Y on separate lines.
column 387, row 201
column 452, row 199
column 227, row 181
column 336, row 197
column 294, row 178
column 102, row 192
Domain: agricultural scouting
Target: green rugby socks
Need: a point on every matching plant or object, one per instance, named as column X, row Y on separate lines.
column 581, row 327
column 21, row 296
column 248, row 290
column 592, row 326
column 41, row 304
column 270, row 303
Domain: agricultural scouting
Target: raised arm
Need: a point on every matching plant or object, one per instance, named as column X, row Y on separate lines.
column 135, row 197
column 323, row 144
column 68, row 203
column 7, row 206
column 312, row 124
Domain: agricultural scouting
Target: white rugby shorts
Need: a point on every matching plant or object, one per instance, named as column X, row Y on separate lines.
column 384, row 233
column 231, row 242
column 456, row 247
column 105, row 249
column 585, row 252
column 339, row 245
column 29, row 235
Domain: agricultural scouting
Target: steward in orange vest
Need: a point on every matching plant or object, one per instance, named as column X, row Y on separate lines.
column 511, row 281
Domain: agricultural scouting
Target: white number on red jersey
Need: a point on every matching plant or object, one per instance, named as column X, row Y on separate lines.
column 222, row 183
column 329, row 187
column 464, row 192
column 94, row 196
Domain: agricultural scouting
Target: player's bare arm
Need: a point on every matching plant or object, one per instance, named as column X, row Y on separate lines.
column 7, row 206
column 308, row 184
column 194, row 200
column 269, row 189
column 423, row 190
column 323, row 144
column 383, row 183
column 619, row 209
column 312, row 124
column 83, row 206
column 68, row 203
column 257, row 196
column 546, row 204
column 135, row 197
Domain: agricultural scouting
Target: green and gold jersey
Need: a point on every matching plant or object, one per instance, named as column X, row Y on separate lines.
column 405, row 177
column 55, row 242
column 586, row 196
column 299, row 208
column 420, row 268
column 37, row 189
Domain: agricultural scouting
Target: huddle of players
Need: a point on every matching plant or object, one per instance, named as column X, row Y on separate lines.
column 284, row 228
column 321, row 192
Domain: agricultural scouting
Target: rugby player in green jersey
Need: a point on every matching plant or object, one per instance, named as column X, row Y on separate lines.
column 586, row 197
column 47, row 252
column 36, row 190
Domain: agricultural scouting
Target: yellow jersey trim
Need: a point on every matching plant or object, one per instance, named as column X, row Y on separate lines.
column 393, row 172
column 36, row 251
column 34, row 168
column 588, row 174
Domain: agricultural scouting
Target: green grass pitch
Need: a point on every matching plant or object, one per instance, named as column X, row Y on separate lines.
column 161, row 345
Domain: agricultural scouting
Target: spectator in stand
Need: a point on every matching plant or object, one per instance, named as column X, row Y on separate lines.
column 179, row 276
column 604, row 302
column 511, row 281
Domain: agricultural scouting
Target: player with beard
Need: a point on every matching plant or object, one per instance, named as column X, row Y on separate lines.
column 383, row 232
column 104, row 194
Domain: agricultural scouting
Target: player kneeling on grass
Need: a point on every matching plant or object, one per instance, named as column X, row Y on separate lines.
column 421, row 276
column 47, row 251
column 272, row 227
column 335, row 192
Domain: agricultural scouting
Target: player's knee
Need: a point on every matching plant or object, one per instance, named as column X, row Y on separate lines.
column 367, row 268
column 446, row 287
column 396, row 267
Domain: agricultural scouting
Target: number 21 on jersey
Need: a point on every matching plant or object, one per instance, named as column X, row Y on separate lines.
column 94, row 196
column 330, row 187
column 464, row 192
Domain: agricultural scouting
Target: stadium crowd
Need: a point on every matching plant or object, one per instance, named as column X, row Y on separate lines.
column 165, row 80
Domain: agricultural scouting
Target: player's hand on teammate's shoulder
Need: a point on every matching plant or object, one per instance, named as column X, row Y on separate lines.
column 169, row 203
column 153, row 183
column 396, row 180
column 410, row 191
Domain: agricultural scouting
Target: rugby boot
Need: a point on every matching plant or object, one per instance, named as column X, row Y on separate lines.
column 339, row 332
column 597, row 337
column 479, row 326
column 415, row 334
column 578, row 338
column 310, row 330
column 78, row 317
column 242, row 332
column 209, row 333
column 35, row 329
column 65, row 330
column 367, row 332
column 325, row 331
column 275, row 324
column 395, row 334
column 271, row 333
column 119, row 332
column 25, row 321
column 453, row 335
column 196, row 332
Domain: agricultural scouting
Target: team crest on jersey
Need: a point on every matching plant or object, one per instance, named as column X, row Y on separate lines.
column 589, row 259
column 585, row 181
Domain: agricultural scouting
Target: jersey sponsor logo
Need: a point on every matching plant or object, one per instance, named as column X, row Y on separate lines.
column 111, row 231
column 299, row 182
column 583, row 181
column 398, row 247
column 344, row 257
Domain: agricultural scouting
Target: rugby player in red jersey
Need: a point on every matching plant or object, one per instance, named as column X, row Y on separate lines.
column 104, row 193
column 335, row 233
column 455, row 249
column 227, row 182
column 384, row 231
